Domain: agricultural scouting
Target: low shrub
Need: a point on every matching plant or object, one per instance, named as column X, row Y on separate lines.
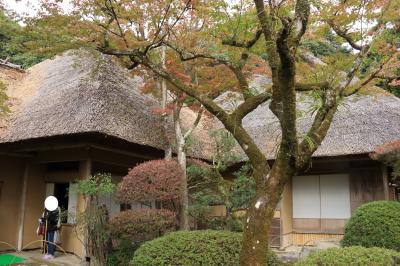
column 122, row 255
column 192, row 248
column 221, row 223
column 141, row 224
column 354, row 256
column 375, row 224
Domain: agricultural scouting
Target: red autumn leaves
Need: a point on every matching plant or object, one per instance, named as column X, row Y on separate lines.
column 157, row 180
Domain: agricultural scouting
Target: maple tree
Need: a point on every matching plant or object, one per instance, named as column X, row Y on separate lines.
column 215, row 45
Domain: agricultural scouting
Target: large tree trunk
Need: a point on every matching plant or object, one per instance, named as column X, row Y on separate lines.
column 261, row 212
column 256, row 232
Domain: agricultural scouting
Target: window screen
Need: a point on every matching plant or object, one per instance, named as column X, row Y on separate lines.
column 306, row 197
column 324, row 196
column 335, row 196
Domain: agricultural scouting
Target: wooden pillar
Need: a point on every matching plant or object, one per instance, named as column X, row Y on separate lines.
column 21, row 216
column 385, row 182
column 85, row 170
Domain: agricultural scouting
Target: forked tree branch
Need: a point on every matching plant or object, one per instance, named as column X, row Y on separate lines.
column 249, row 105
column 344, row 34
column 368, row 79
column 299, row 23
column 195, row 124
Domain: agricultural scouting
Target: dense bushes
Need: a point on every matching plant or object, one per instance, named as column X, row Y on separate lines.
column 191, row 248
column 375, row 224
column 152, row 180
column 156, row 181
column 122, row 255
column 137, row 224
column 355, row 256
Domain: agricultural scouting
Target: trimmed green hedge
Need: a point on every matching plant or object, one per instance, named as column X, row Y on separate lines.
column 354, row 256
column 375, row 224
column 192, row 248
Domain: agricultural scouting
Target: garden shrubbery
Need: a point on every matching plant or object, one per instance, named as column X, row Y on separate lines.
column 375, row 224
column 354, row 256
column 151, row 180
column 191, row 248
column 141, row 224
column 123, row 254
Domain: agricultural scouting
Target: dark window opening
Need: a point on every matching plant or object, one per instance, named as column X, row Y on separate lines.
column 61, row 193
column 125, row 207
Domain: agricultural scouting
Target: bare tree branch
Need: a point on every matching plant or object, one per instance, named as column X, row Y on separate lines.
column 299, row 23
column 319, row 128
column 195, row 124
column 310, row 86
column 344, row 34
column 250, row 104
column 368, row 79
column 247, row 44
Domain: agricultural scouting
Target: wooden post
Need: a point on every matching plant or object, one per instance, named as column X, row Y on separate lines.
column 385, row 182
column 85, row 171
column 21, row 217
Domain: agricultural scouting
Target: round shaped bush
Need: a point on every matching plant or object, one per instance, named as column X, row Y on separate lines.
column 151, row 180
column 375, row 224
column 138, row 224
column 192, row 248
column 354, row 256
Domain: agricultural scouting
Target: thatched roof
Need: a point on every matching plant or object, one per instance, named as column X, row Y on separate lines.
column 80, row 93
column 362, row 122
column 66, row 96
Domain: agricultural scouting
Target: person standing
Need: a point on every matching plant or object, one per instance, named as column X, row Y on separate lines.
column 51, row 222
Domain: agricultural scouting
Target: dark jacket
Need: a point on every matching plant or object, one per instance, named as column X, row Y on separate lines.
column 52, row 218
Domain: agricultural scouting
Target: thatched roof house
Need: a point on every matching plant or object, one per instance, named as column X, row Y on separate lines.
column 80, row 114
column 91, row 95
column 81, row 94
column 71, row 117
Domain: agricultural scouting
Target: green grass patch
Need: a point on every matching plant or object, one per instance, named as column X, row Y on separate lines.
column 9, row 259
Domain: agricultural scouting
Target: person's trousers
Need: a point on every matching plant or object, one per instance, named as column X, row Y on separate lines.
column 51, row 248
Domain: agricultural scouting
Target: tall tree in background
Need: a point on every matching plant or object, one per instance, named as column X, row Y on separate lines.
column 13, row 42
column 242, row 38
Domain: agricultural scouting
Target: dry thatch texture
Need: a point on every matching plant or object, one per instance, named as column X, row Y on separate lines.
column 88, row 93
column 81, row 92
column 362, row 122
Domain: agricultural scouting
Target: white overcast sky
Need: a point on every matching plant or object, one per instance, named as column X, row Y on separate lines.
column 27, row 7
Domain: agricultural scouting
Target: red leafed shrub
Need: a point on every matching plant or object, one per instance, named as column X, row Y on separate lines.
column 389, row 151
column 153, row 180
column 141, row 224
column 389, row 154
